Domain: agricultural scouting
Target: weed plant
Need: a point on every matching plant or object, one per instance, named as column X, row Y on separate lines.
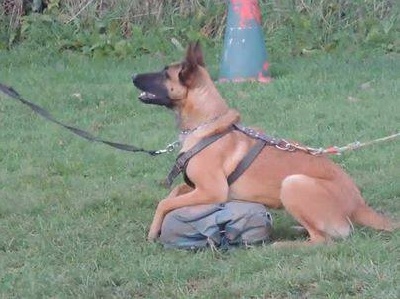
column 131, row 28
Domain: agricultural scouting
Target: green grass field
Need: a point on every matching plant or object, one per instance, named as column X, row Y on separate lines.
column 74, row 215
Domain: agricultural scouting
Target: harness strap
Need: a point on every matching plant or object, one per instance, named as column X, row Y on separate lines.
column 259, row 135
column 246, row 161
column 183, row 158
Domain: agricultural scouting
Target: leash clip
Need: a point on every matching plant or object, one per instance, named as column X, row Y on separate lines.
column 284, row 145
column 169, row 148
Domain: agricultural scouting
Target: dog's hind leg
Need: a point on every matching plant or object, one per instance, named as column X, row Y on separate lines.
column 318, row 210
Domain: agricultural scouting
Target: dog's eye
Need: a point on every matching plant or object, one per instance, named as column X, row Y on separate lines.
column 165, row 72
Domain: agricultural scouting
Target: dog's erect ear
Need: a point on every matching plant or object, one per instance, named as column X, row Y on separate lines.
column 194, row 54
column 193, row 59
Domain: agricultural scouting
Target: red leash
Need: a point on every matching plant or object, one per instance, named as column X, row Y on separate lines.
column 335, row 150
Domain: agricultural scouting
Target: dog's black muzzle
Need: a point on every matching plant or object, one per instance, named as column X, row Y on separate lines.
column 153, row 88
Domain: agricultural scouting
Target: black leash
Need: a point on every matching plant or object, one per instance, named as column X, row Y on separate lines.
column 11, row 92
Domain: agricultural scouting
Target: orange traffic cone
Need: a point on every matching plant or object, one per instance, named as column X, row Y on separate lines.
column 244, row 57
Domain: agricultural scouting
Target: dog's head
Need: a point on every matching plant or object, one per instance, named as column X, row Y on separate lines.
column 170, row 86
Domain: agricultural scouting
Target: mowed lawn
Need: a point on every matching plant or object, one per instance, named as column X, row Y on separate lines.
column 74, row 215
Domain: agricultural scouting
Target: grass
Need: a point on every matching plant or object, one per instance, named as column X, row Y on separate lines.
column 74, row 215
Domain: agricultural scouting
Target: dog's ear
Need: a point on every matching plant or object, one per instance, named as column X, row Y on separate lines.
column 193, row 59
column 194, row 54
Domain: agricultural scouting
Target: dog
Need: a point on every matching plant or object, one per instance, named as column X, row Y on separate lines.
column 312, row 188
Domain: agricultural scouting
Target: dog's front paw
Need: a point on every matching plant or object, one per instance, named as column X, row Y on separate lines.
column 153, row 235
column 154, row 232
column 155, row 228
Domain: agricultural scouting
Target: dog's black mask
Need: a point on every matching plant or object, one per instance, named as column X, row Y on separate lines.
column 153, row 88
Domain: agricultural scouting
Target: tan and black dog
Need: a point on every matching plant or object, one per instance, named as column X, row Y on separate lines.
column 313, row 189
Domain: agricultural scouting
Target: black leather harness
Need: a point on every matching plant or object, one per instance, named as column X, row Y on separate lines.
column 262, row 140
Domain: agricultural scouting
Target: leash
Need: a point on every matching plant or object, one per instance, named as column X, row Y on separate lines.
column 281, row 144
column 285, row 145
column 12, row 93
column 335, row 150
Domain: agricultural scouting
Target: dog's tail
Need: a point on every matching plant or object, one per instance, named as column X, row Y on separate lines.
column 365, row 215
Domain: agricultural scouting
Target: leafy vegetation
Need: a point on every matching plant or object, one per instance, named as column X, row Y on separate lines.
column 132, row 28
